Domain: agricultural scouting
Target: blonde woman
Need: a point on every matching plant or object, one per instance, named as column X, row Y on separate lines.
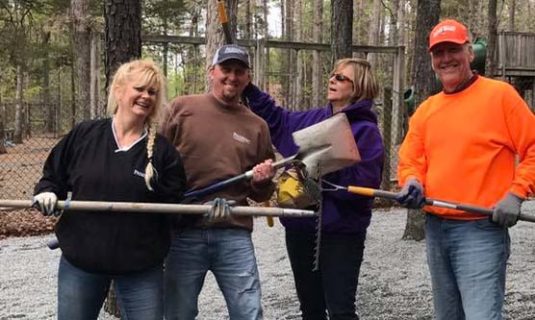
column 345, row 217
column 116, row 159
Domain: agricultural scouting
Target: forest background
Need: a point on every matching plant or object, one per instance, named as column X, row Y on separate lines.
column 56, row 57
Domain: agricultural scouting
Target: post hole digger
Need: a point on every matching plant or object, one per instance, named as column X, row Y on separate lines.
column 370, row 192
column 323, row 148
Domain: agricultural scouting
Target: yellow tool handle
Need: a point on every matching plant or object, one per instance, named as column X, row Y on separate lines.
column 269, row 220
column 369, row 192
column 222, row 12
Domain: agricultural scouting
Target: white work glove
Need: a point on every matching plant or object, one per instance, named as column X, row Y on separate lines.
column 46, row 203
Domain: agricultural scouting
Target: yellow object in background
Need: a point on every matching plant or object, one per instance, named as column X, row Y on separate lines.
column 291, row 192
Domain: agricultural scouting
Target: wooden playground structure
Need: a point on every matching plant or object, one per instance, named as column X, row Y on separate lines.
column 515, row 53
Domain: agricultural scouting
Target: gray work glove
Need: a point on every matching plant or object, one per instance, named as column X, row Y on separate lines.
column 411, row 195
column 507, row 210
column 220, row 210
column 46, row 203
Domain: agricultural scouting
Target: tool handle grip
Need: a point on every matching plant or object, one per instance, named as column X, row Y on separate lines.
column 223, row 19
column 222, row 184
column 433, row 202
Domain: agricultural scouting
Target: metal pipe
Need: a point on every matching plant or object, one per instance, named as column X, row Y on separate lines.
column 146, row 207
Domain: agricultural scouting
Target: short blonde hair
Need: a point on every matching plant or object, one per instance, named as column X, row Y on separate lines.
column 146, row 73
column 365, row 83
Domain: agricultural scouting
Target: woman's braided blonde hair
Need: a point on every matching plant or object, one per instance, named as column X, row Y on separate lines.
column 146, row 73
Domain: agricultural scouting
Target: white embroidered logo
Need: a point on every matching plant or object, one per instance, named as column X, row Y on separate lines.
column 139, row 173
column 444, row 29
column 234, row 50
column 240, row 138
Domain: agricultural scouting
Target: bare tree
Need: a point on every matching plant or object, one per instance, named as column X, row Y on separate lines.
column 94, row 106
column 81, row 24
column 214, row 32
column 492, row 34
column 45, row 93
column 341, row 28
column 289, row 58
column 512, row 9
column 123, row 43
column 298, row 83
column 19, row 106
column 427, row 15
column 374, row 30
column 317, row 70
column 122, row 33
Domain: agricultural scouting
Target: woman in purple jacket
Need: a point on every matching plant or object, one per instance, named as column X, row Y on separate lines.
column 345, row 217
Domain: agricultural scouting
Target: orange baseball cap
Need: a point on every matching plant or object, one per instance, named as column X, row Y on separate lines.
column 448, row 31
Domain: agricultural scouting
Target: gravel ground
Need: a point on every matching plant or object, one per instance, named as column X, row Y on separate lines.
column 394, row 282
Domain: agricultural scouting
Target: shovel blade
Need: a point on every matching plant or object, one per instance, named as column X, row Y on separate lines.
column 327, row 146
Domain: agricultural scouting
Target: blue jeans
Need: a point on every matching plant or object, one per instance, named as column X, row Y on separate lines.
column 467, row 261
column 229, row 254
column 333, row 287
column 81, row 294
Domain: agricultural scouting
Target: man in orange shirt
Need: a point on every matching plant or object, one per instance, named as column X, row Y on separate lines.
column 462, row 146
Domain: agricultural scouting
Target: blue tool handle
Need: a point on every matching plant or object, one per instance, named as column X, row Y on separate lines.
column 222, row 184
column 216, row 186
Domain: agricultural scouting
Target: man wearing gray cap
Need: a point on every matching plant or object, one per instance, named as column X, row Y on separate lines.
column 219, row 138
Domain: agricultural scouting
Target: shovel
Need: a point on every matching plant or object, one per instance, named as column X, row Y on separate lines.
column 324, row 147
column 370, row 192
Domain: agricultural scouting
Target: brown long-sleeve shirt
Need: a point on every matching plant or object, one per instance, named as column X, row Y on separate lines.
column 218, row 142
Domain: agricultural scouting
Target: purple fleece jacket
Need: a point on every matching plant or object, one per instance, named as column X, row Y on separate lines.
column 343, row 212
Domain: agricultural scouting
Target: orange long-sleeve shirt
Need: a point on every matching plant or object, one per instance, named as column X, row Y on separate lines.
column 462, row 147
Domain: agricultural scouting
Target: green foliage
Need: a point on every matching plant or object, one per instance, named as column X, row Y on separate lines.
column 160, row 16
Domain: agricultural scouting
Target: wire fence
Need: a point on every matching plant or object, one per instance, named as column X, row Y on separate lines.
column 44, row 124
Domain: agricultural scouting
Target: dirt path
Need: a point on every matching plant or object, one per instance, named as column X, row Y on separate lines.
column 394, row 281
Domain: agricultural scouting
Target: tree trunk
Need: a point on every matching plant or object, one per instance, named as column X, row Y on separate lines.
column 191, row 58
column 341, row 29
column 512, row 9
column 492, row 34
column 414, row 228
column 374, row 31
column 19, row 107
column 2, row 134
column 45, row 96
column 361, row 22
column 73, row 96
column 82, row 56
column 94, row 91
column 427, row 15
column 289, row 58
column 317, row 70
column 123, row 43
column 122, row 34
column 248, row 20
column 264, row 34
column 299, row 82
column 214, row 31
column 2, row 137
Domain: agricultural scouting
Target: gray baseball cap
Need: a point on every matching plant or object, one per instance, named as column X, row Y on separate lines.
column 231, row 52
